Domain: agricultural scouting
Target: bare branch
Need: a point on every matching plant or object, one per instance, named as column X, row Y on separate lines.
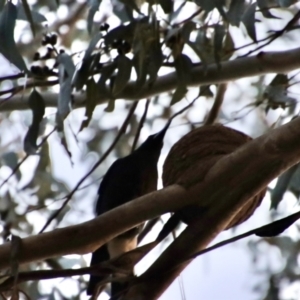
column 260, row 64
column 213, row 114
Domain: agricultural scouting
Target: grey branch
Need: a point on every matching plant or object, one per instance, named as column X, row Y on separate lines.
column 260, row 64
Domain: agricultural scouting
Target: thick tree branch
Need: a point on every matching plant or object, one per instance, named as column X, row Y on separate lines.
column 238, row 177
column 87, row 237
column 263, row 63
column 237, row 180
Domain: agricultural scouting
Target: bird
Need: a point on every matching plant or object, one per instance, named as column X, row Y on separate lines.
column 188, row 162
column 128, row 178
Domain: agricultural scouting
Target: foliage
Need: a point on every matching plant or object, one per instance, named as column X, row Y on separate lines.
column 108, row 54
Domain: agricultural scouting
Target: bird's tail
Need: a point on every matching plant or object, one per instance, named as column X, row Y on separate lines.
column 117, row 289
column 100, row 255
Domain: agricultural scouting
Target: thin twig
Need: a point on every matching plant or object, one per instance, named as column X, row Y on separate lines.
column 277, row 34
column 96, row 165
column 31, row 84
column 12, row 77
column 197, row 12
column 141, row 124
column 99, row 269
column 16, row 168
column 213, row 114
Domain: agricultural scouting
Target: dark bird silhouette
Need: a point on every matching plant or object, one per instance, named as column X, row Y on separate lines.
column 127, row 178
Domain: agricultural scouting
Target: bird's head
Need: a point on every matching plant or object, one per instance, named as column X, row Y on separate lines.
column 155, row 141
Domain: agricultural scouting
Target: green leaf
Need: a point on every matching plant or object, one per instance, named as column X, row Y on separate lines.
column 66, row 61
column 8, row 46
column 282, row 186
column 265, row 9
column 94, row 41
column 280, row 79
column 186, row 30
column 28, row 15
column 277, row 227
column 207, row 5
column 94, row 6
column 84, row 68
column 122, row 32
column 36, row 17
column 106, row 73
column 132, row 4
column 205, row 91
column 286, row 3
column 37, row 105
column 183, row 66
column 236, row 10
column 179, row 93
column 218, row 41
column 166, row 5
column 124, row 13
column 249, row 21
column 276, row 93
column 66, row 70
column 110, row 106
column 123, row 75
column 2, row 3
column 155, row 62
column 92, row 94
column 10, row 159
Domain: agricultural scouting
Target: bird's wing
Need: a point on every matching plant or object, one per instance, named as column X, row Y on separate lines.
column 120, row 184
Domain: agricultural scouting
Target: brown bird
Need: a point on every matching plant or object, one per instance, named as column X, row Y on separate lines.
column 191, row 158
column 128, row 178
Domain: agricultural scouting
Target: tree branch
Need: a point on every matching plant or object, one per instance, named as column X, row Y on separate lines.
column 237, row 181
column 213, row 114
column 260, row 64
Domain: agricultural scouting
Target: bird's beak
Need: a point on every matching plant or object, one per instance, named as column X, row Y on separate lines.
column 161, row 134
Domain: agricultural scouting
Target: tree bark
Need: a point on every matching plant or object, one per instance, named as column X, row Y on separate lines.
column 228, row 185
column 260, row 64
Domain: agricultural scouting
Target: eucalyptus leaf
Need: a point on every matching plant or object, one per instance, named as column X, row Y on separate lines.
column 94, row 6
column 236, row 11
column 218, row 41
column 84, row 68
column 36, row 17
column 265, row 10
column 277, row 227
column 286, row 3
column 2, row 3
column 183, row 66
column 37, row 105
column 166, row 5
column 66, row 71
column 92, row 94
column 156, row 59
column 249, row 21
column 28, row 15
column 124, row 13
column 179, row 93
column 123, row 74
column 8, row 46
column 10, row 159
column 282, row 186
